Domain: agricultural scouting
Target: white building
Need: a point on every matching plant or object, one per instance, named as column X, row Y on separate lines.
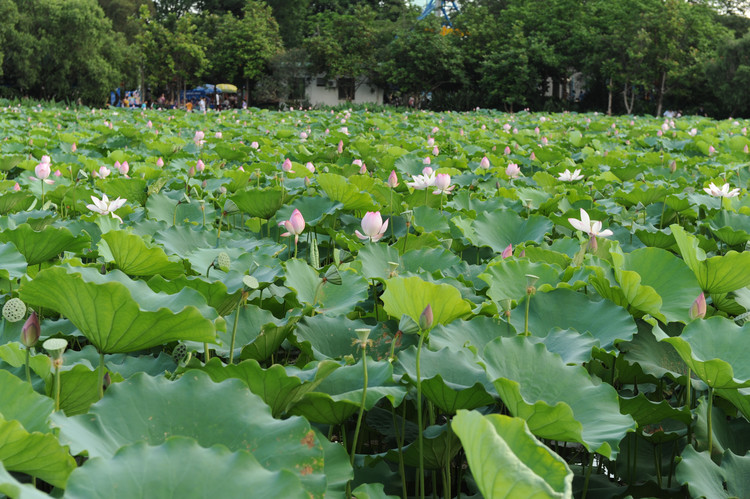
column 320, row 91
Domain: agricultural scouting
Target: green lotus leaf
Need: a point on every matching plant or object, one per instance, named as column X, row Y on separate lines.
column 15, row 201
column 430, row 260
column 575, row 408
column 78, row 389
column 503, row 227
column 163, row 208
column 604, row 320
column 180, row 468
column 18, row 401
column 216, row 293
column 149, row 410
column 232, row 151
column 262, row 203
column 376, row 261
column 116, row 314
column 339, row 395
column 727, row 433
column 410, row 296
column 371, row 491
column 278, row 387
column 42, row 245
column 338, row 189
column 473, row 334
column 330, row 299
column 11, row 487
column 132, row 189
column 643, row 194
column 37, row 454
column 705, row 479
column 14, row 263
column 646, row 412
column 507, row 278
column 718, row 274
column 710, row 348
column 253, row 323
column 732, row 228
column 506, row 460
column 14, row 353
column 450, row 380
column 133, row 256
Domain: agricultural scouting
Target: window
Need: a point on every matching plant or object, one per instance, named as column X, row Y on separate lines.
column 321, row 82
column 346, row 88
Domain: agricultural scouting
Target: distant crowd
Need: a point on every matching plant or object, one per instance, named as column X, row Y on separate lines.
column 216, row 102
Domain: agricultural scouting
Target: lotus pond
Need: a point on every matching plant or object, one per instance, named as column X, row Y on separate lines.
column 373, row 304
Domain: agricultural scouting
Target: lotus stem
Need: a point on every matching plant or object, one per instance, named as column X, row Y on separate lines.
column 234, row 330
column 400, row 443
column 447, row 492
column 709, row 418
column 526, row 316
column 100, row 383
column 588, row 476
column 57, row 388
column 419, row 416
column 206, row 353
column 361, row 406
column 28, row 369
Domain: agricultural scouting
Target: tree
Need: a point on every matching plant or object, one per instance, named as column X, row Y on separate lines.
column 9, row 15
column 729, row 75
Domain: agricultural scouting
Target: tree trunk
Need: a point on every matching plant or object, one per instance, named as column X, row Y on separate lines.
column 628, row 104
column 609, row 98
column 661, row 92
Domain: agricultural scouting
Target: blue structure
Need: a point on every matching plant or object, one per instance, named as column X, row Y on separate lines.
column 442, row 7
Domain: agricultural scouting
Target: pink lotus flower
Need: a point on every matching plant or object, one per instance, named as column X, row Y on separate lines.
column 427, row 161
column 392, row 180
column 310, row 167
column 484, row 163
column 506, row 151
column 287, row 166
column 711, row 150
column 104, row 206
column 73, row 148
column 16, row 187
column 340, row 147
column 443, row 184
column 435, row 151
column 430, row 141
column 149, row 124
column 218, row 135
column 295, row 225
column 544, row 141
column 363, row 169
column 200, row 165
column 721, row 192
column 43, row 171
column 427, row 170
column 198, row 138
column 373, row 227
column 513, row 170
column 435, row 129
column 698, row 309
column 103, row 172
column 303, row 135
column 160, row 162
column 508, row 251
column 254, row 145
column 357, row 162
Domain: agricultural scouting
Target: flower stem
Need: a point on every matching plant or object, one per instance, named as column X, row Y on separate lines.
column 526, row 317
column 100, row 383
column 57, row 388
column 28, row 370
column 361, row 405
column 234, row 330
column 419, row 416
column 709, row 418
column 206, row 353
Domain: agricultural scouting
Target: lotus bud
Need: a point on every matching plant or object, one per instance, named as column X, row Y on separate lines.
column 191, row 171
column 698, row 309
column 745, row 149
column 484, row 163
column 711, row 150
column 30, row 331
column 506, row 151
column 426, row 318
column 393, row 180
column 673, row 166
column 160, row 162
column 508, row 251
column 200, row 165
column 14, row 310
column 73, row 147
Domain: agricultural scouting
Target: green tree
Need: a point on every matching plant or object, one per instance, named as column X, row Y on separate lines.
column 729, row 75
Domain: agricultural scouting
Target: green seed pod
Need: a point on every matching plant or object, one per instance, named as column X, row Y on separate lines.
column 14, row 310
column 223, row 261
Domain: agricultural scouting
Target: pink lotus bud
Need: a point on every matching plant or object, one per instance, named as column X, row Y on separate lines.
column 363, row 169
column 73, row 148
column 659, row 133
column 30, row 331
column 303, row 135
column 711, row 150
column 149, row 124
column 506, row 151
column 357, row 162
column 427, row 171
column 340, row 148
column 254, row 145
column 160, row 162
column 673, row 166
column 16, row 187
column 435, row 151
column 698, row 309
column 430, row 141
column 484, row 163
column 435, row 129
column 310, row 167
column 426, row 318
column 198, row 138
column 287, row 166
column 533, row 156
column 508, row 251
column 191, row 171
column 544, row 141
column 427, row 161
column 745, row 149
column 392, row 180
column 536, row 130
column 218, row 135
column 200, row 165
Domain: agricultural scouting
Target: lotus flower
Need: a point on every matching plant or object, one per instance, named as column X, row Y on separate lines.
column 30, row 331
column 722, row 192
column 310, row 167
column 373, row 227
column 295, row 225
column 427, row 161
column 73, row 147
column 430, row 141
column 16, row 187
column 104, row 206
column 363, row 169
column 340, row 147
column 484, row 163
column 160, row 162
column 198, row 138
column 103, row 172
column 43, row 171
column 303, row 135
column 593, row 229
column 566, row 176
column 513, row 170
column 218, row 135
column 711, row 150
column 392, row 180
column 287, row 166
column 698, row 309
column 254, row 145
column 357, row 162
column 423, row 181
column 443, row 184
column 435, row 151
column 200, row 165
column 508, row 251
column 506, row 151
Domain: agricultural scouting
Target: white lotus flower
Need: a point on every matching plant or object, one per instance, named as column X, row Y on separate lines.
column 585, row 224
column 567, row 176
column 104, row 206
column 721, row 192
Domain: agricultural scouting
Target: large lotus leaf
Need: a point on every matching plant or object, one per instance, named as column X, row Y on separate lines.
column 78, row 389
column 718, row 274
column 313, row 209
column 575, row 408
column 473, row 334
column 410, row 296
column 180, row 468
column 14, row 353
column 252, row 323
column 15, row 201
column 371, row 491
column 278, row 387
column 40, row 246
column 163, row 208
column 146, row 409
column 604, row 320
column 705, row 479
column 114, row 318
column 507, row 278
column 11, row 487
column 329, row 298
column 440, row 446
column 727, row 433
column 132, row 189
column 339, row 395
column 18, row 401
column 133, row 256
column 732, row 228
column 506, row 460
column 712, row 348
column 450, row 380
column 378, row 261
column 216, row 293
column 14, row 264
column 232, row 151
column 338, row 189
column 262, row 203
column 267, row 342
column 646, row 412
column 37, row 454
column 740, row 397
column 430, row 260
column 500, row 228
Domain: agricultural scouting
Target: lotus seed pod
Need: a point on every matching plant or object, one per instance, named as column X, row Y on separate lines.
column 223, row 261
column 179, row 353
column 14, row 310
